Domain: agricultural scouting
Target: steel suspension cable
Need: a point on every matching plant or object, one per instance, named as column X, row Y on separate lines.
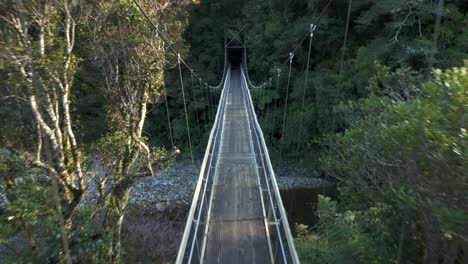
column 214, row 99
column 301, row 123
column 244, row 63
column 291, row 56
column 194, row 100
column 264, row 96
column 290, row 60
column 257, row 101
column 185, row 110
column 293, row 50
column 306, row 35
column 214, row 94
column 212, row 106
column 343, row 52
column 204, row 93
column 262, row 101
column 171, row 48
column 168, row 115
column 208, row 98
column 278, row 75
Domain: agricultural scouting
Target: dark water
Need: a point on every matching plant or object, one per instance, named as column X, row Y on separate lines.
column 301, row 205
column 150, row 236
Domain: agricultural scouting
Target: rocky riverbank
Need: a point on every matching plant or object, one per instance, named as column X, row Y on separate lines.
column 159, row 205
column 176, row 185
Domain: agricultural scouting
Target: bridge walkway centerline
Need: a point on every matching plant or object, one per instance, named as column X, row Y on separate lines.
column 237, row 215
column 236, row 231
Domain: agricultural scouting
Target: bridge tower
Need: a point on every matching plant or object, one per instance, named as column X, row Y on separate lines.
column 235, row 46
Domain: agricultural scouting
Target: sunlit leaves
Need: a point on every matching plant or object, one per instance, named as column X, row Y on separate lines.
column 410, row 156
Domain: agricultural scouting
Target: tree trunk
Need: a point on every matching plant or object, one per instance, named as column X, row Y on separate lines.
column 402, row 241
column 29, row 236
column 116, row 246
column 435, row 37
column 142, row 117
column 343, row 52
column 121, row 194
column 57, row 157
column 451, row 250
column 39, row 142
column 74, row 146
column 433, row 235
column 139, row 130
column 70, row 41
column 60, row 216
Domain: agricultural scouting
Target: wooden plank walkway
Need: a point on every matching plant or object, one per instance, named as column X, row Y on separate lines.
column 236, row 232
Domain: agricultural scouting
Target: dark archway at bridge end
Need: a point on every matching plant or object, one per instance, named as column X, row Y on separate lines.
column 235, row 56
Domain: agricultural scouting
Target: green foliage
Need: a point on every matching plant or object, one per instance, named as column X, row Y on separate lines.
column 90, row 243
column 389, row 45
column 15, row 125
column 113, row 146
column 348, row 237
column 29, row 208
column 158, row 153
column 89, row 109
column 31, row 202
column 409, row 156
column 17, row 206
column 387, row 39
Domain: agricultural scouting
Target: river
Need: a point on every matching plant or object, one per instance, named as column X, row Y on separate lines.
column 152, row 236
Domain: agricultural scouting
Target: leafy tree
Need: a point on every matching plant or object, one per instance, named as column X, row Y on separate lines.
column 407, row 160
column 349, row 236
column 131, row 81
column 38, row 38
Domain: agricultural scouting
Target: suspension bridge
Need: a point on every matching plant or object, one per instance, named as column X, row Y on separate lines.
column 236, row 215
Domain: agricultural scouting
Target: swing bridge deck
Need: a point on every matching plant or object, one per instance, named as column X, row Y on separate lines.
column 237, row 215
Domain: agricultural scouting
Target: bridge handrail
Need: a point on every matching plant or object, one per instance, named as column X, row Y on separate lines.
column 266, row 159
column 225, row 70
column 202, row 181
column 245, row 70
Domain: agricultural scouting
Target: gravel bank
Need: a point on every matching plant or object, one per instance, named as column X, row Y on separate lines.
column 177, row 184
column 159, row 207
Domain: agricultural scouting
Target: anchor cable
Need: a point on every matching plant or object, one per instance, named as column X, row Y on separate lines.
column 168, row 115
column 312, row 29
column 185, row 110
column 291, row 56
